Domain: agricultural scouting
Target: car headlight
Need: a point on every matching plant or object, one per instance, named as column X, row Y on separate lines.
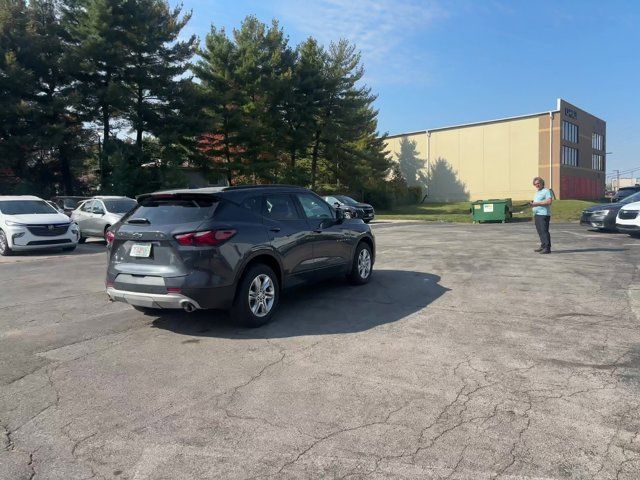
column 14, row 224
column 600, row 212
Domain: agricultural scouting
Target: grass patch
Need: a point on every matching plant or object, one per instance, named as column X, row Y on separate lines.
column 561, row 211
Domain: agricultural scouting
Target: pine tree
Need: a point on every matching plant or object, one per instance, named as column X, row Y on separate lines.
column 156, row 59
column 42, row 135
column 261, row 57
column 17, row 88
column 222, row 100
column 99, row 54
column 302, row 98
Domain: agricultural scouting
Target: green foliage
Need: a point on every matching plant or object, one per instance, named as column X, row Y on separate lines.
column 96, row 95
column 288, row 115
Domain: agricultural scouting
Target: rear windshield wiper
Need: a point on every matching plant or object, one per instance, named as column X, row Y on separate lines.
column 138, row 220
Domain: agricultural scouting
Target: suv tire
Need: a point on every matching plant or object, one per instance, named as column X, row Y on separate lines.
column 5, row 250
column 257, row 297
column 362, row 266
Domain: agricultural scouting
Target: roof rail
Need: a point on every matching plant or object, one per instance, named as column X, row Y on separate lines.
column 266, row 185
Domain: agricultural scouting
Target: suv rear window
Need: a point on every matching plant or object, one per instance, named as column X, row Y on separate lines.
column 175, row 210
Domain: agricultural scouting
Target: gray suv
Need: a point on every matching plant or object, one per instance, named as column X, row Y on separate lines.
column 232, row 248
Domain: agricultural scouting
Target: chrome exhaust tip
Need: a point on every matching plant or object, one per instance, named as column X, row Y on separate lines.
column 188, row 306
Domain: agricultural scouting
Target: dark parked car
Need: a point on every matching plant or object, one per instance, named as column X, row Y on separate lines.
column 624, row 192
column 352, row 208
column 603, row 217
column 233, row 248
column 68, row 203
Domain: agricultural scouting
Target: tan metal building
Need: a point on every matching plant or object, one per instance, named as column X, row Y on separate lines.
column 499, row 158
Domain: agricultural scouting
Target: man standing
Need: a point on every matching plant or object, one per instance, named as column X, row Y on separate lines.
column 542, row 214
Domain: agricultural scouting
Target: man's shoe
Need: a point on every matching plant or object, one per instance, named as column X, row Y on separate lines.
column 539, row 249
column 545, row 251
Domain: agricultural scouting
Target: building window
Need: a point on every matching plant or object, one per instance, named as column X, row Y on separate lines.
column 569, row 132
column 597, row 162
column 597, row 141
column 569, row 156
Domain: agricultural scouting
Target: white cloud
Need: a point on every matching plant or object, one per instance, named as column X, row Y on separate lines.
column 383, row 30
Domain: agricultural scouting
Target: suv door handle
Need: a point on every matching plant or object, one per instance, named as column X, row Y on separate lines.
column 275, row 229
column 317, row 231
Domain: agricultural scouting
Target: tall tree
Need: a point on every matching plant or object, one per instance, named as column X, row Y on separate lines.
column 43, row 121
column 156, row 61
column 302, row 98
column 17, row 88
column 98, row 48
column 262, row 61
column 222, row 99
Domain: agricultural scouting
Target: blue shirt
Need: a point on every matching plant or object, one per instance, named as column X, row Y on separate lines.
column 541, row 195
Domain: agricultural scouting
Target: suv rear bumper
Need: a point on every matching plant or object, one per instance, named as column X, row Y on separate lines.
column 152, row 300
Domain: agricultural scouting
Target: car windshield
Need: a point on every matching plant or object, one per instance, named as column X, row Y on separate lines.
column 347, row 200
column 71, row 203
column 121, row 205
column 26, row 207
column 631, row 198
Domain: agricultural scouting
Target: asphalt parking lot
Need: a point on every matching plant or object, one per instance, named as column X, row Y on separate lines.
column 468, row 356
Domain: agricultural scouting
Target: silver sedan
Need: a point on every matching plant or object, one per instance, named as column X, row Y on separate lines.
column 96, row 215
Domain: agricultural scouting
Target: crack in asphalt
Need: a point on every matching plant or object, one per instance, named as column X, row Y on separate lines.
column 31, row 467
column 518, row 441
column 333, row 434
column 8, row 441
column 460, row 458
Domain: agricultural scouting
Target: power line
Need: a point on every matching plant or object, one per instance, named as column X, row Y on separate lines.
column 622, row 172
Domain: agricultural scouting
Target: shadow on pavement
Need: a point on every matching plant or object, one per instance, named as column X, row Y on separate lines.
column 323, row 309
column 584, row 250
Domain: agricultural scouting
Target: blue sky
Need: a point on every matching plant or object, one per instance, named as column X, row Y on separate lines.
column 438, row 63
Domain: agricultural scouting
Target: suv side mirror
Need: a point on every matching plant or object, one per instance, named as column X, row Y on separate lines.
column 339, row 215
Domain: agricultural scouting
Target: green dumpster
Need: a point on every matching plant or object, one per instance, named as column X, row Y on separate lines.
column 492, row 210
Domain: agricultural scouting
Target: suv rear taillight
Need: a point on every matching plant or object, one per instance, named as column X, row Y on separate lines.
column 109, row 236
column 207, row 238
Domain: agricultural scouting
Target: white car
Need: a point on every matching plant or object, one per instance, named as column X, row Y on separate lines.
column 30, row 223
column 628, row 219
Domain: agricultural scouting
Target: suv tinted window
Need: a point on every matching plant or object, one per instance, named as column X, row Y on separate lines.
column 175, row 210
column 314, row 207
column 280, row 207
column 254, row 204
column 87, row 206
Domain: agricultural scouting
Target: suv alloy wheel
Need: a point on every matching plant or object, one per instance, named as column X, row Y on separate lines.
column 362, row 265
column 257, row 297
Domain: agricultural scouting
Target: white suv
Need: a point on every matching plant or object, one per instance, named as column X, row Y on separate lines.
column 30, row 223
column 628, row 219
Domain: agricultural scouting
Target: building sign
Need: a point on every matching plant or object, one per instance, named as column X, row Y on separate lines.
column 570, row 112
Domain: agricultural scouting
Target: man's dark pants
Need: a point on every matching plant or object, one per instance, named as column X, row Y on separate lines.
column 542, row 226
